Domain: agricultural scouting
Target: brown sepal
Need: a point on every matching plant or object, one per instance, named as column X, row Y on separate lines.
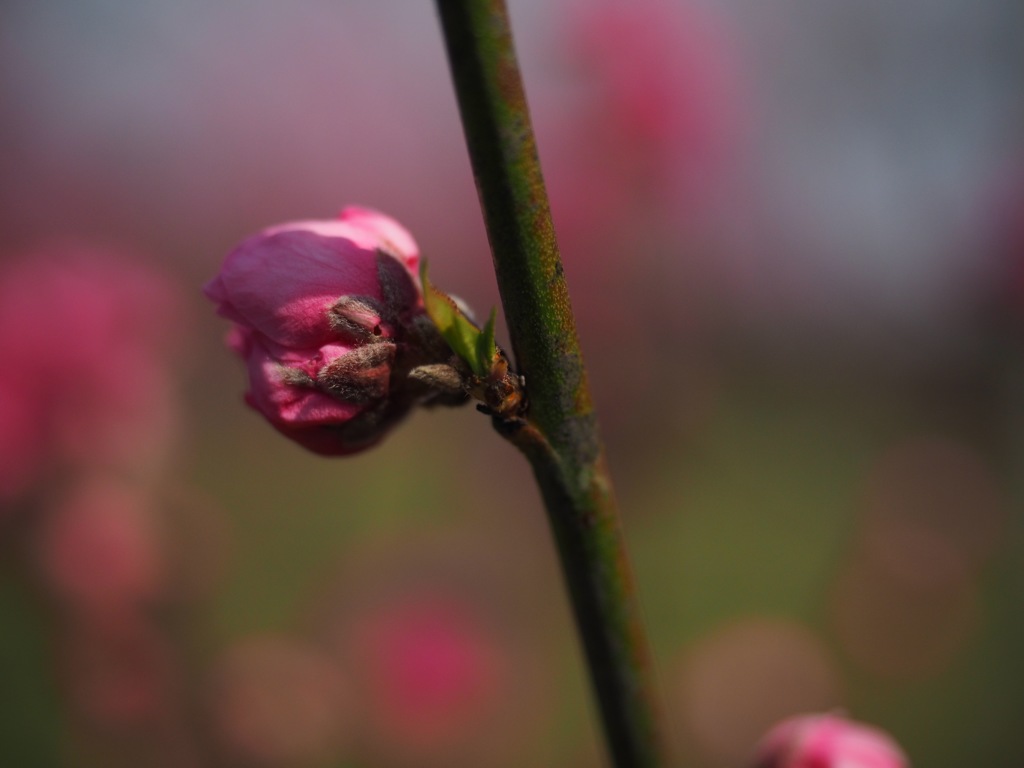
column 361, row 376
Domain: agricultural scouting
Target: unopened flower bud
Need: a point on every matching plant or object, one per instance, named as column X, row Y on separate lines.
column 827, row 741
column 329, row 319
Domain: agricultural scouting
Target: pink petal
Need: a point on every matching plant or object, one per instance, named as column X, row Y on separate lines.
column 282, row 283
column 827, row 741
column 288, row 405
column 388, row 231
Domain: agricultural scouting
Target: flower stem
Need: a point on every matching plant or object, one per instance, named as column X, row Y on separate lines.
column 559, row 435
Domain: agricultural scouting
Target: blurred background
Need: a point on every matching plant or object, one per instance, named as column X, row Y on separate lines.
column 794, row 238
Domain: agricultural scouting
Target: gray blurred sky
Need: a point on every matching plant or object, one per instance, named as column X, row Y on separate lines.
column 882, row 128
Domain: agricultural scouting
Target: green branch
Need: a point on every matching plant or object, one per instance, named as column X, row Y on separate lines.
column 559, row 435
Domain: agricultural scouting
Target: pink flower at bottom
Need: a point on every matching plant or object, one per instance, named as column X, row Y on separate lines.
column 827, row 741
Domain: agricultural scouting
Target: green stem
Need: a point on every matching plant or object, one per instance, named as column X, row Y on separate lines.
column 559, row 436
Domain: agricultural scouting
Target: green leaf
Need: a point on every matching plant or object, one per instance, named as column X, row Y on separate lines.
column 486, row 348
column 463, row 336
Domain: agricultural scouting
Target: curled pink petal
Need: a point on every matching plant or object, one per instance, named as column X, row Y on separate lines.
column 827, row 741
column 282, row 283
column 390, row 232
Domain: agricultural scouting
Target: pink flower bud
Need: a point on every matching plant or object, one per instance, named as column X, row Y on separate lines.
column 827, row 741
column 324, row 314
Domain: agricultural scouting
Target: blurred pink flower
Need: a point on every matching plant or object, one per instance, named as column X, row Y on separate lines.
column 642, row 154
column 1007, row 233
column 120, row 669
column 431, row 669
column 100, row 547
column 897, row 620
column 279, row 702
column 446, row 642
column 21, row 436
column 827, row 741
column 659, row 117
column 716, row 695
column 84, row 339
column 322, row 311
column 942, row 490
column 907, row 600
column 665, row 74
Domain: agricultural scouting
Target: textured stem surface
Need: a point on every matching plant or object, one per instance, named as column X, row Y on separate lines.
column 560, row 436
